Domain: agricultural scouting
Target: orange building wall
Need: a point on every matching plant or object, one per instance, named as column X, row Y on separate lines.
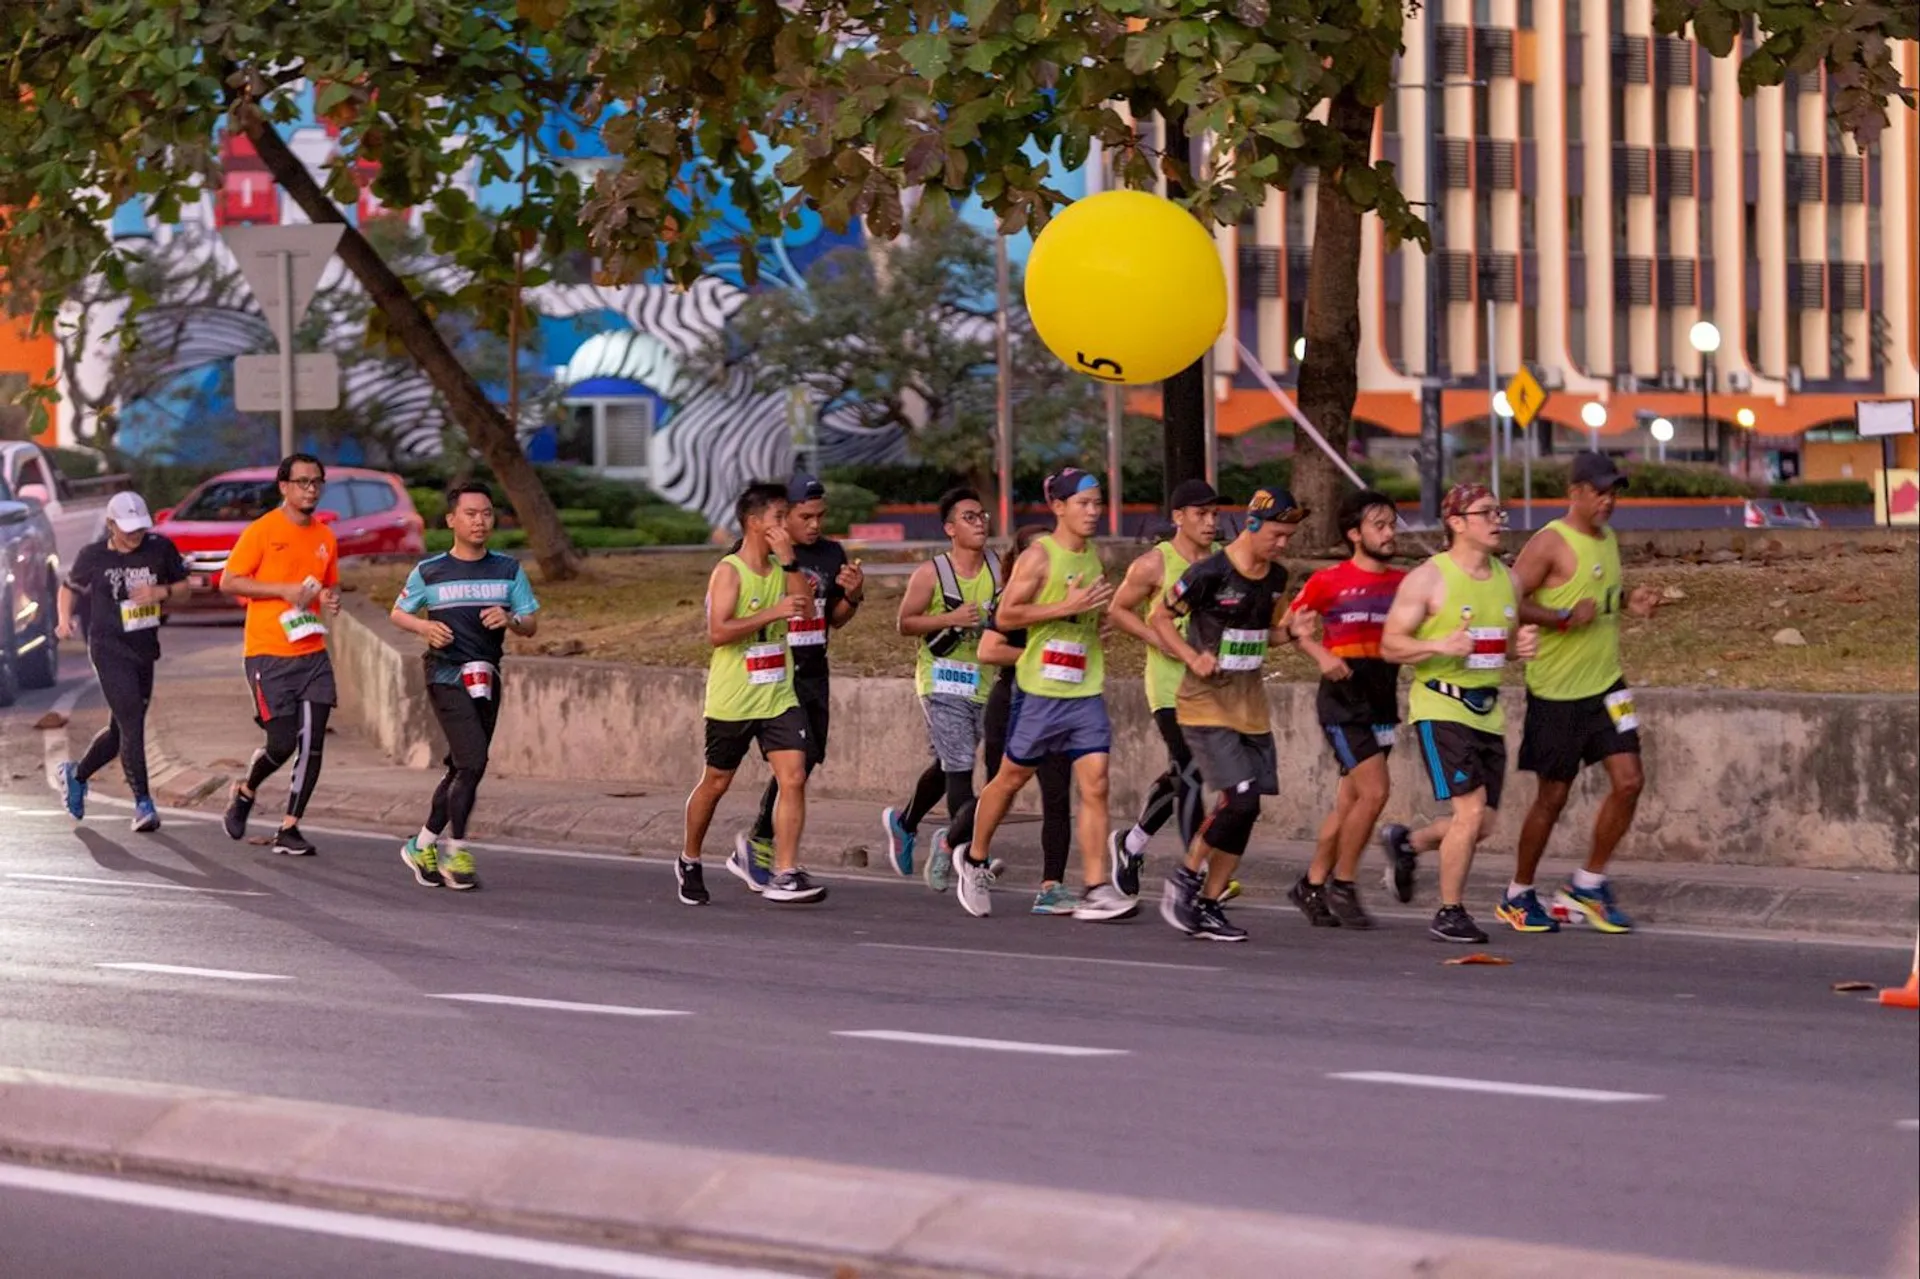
column 21, row 352
column 1854, row 459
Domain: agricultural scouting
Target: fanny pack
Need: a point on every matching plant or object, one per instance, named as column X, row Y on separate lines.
column 1480, row 701
column 940, row 643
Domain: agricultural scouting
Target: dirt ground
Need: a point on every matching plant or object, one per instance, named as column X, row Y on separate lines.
column 1858, row 611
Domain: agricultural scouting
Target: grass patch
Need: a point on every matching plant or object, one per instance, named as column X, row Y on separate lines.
column 1859, row 612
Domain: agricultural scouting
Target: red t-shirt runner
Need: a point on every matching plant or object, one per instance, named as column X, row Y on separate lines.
column 1353, row 604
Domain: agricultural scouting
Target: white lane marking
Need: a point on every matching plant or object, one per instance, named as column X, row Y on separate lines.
column 1453, row 1084
column 1024, row 954
column 990, row 1045
column 576, row 1258
column 175, row 970
column 566, row 1006
column 53, row 741
column 134, row 883
column 39, row 812
column 1908, row 1125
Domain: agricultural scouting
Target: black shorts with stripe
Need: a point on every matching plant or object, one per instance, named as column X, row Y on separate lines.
column 1355, row 744
column 280, row 684
column 1461, row 760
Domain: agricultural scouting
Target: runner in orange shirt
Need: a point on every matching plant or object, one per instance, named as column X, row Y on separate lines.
column 286, row 566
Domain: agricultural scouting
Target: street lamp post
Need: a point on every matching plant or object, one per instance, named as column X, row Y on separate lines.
column 1662, row 432
column 1500, row 437
column 1705, row 337
column 1746, row 420
column 1594, row 414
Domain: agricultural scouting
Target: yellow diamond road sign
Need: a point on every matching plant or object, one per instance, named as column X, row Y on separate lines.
column 1526, row 397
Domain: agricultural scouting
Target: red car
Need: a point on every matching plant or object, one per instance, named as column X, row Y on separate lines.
column 370, row 512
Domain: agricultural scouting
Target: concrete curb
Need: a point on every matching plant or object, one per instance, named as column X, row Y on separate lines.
column 819, row 1217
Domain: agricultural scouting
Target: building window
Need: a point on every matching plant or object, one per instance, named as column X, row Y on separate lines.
column 1529, row 334
column 1793, row 236
column 1395, row 338
column 1753, row 335
column 1296, row 217
column 1622, row 333
column 1526, row 111
column 1660, row 119
column 1752, row 231
column 1482, row 13
column 1749, row 126
column 1793, row 338
column 1619, row 223
column 1523, row 15
column 1617, row 110
column 1527, row 244
column 1663, row 340
column 1390, row 110
column 1576, row 222
column 1577, row 335
column 1663, row 237
column 1617, row 14
column 1483, row 221
column 1573, row 17
column 1573, row 112
column 1873, row 236
column 1482, row 110
column 1834, row 252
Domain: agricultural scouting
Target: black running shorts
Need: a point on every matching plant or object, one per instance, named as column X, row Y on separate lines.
column 1460, row 760
column 728, row 739
column 1230, row 759
column 1355, row 744
column 1563, row 737
column 280, row 684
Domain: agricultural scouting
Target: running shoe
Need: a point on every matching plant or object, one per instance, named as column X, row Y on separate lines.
column 973, row 879
column 75, row 790
column 239, row 808
column 794, row 887
column 290, row 841
column 1123, row 865
column 752, row 861
column 1056, row 899
column 1177, row 898
column 690, row 881
column 460, row 872
column 1103, row 903
column 145, row 819
column 1312, row 901
column 1343, row 902
column 1525, row 914
column 1397, row 840
column 1211, row 924
column 900, row 842
column 423, row 862
column 1452, row 923
column 938, row 871
column 1594, row 906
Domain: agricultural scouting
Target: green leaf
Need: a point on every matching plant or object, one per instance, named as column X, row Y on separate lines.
column 928, row 53
column 1146, row 50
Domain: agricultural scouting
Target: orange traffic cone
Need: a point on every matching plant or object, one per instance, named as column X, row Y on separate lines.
column 1907, row 996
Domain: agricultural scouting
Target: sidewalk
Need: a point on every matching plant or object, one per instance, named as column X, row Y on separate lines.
column 199, row 739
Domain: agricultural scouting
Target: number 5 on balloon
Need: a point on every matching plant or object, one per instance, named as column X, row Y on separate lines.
column 1108, row 370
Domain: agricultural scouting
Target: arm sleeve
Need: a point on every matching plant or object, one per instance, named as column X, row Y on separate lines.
column 520, row 597
column 1191, row 591
column 244, row 560
column 85, row 566
column 1311, row 596
column 413, row 595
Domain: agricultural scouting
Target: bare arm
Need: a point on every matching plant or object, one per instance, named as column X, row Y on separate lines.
column 63, row 612
column 1413, row 603
column 436, row 634
column 723, row 595
column 1017, row 610
column 1170, row 641
column 1142, row 583
column 1541, row 560
column 996, row 651
column 914, row 620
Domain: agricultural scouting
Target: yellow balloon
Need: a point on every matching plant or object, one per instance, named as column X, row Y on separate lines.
column 1126, row 287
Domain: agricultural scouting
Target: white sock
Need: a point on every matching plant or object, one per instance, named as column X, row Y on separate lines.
column 1588, row 880
column 1516, row 888
column 425, row 839
column 1137, row 841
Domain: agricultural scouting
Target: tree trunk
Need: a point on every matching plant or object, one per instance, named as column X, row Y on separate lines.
column 1330, row 374
column 485, row 427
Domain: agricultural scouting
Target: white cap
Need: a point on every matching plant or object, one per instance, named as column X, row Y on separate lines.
column 128, row 511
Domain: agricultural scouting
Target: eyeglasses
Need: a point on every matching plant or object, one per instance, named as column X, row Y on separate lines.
column 971, row 517
column 1491, row 514
column 313, row 483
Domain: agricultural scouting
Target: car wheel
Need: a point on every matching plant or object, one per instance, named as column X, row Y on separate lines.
column 41, row 667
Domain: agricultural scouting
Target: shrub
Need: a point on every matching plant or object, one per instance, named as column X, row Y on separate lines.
column 1684, row 479
column 670, row 526
column 577, row 517
column 1825, row 492
column 849, row 504
column 431, row 503
column 892, row 482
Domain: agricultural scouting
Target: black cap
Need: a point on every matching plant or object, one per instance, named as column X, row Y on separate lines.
column 804, row 488
column 1192, row 493
column 1597, row 470
column 1067, row 481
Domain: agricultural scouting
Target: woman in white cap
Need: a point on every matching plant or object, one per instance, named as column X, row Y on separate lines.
column 123, row 579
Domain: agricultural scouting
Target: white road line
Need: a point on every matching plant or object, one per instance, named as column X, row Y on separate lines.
column 175, row 970
column 990, row 1045
column 576, row 1258
column 134, row 883
column 566, row 1006
column 1452, row 1084
column 53, row 741
column 1025, row 954
column 39, row 812
column 1908, row 1125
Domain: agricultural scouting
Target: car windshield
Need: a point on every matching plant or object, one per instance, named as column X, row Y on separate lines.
column 230, row 501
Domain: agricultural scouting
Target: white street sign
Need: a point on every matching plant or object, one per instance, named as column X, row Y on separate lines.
column 265, row 253
column 316, row 382
column 1883, row 417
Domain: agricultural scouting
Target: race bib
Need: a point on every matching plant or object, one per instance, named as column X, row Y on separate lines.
column 1489, row 648
column 955, row 679
column 1063, row 661
column 1242, row 650
column 477, row 679
column 809, row 632
column 302, row 624
column 138, row 617
column 766, row 664
column 1384, row 735
column 1620, row 708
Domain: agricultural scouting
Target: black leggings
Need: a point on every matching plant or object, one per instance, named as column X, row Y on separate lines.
column 1056, row 790
column 935, row 782
column 1178, row 789
column 127, row 682
column 468, row 723
column 300, row 735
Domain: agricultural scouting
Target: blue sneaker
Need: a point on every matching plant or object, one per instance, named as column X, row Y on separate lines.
column 939, row 868
column 1592, row 905
column 900, row 842
column 1057, row 900
column 76, row 790
column 1525, row 914
column 145, row 819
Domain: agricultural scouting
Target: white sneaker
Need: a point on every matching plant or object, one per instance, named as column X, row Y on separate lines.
column 973, row 883
column 1104, row 902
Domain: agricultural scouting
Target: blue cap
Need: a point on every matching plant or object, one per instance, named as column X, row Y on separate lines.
column 804, row 488
column 1067, row 481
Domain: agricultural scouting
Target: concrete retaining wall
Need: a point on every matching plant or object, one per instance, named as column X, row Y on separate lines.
column 1776, row 779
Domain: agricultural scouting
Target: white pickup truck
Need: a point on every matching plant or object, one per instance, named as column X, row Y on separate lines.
column 76, row 509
